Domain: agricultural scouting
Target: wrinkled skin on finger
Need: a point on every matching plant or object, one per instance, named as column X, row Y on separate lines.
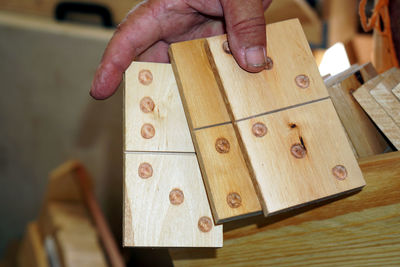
column 148, row 29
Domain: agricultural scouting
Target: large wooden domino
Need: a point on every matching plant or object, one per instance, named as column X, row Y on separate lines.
column 227, row 179
column 165, row 203
column 287, row 129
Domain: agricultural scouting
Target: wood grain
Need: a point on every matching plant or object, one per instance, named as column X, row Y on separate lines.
column 156, row 222
column 275, row 116
column 384, row 96
column 199, row 91
column 357, row 230
column 376, row 112
column 363, row 134
column 250, row 94
column 396, row 91
column 286, row 181
column 164, row 112
column 224, row 174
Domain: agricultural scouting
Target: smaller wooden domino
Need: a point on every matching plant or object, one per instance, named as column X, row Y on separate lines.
column 165, row 203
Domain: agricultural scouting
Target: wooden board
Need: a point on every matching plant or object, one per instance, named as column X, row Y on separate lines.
column 287, row 181
column 154, row 214
column 376, row 112
column 225, row 174
column 384, row 96
column 251, row 94
column 292, row 157
column 354, row 231
column 396, row 91
column 31, row 252
column 165, row 203
column 363, row 134
column 151, row 98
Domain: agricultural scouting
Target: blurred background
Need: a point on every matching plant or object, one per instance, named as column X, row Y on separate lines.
column 49, row 51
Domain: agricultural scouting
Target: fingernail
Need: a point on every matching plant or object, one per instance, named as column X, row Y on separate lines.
column 256, row 57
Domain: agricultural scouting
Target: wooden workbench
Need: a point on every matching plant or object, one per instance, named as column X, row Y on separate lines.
column 361, row 229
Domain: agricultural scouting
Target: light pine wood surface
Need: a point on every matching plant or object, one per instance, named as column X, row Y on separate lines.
column 31, row 252
column 396, row 91
column 384, row 96
column 165, row 202
column 292, row 158
column 363, row 229
column 251, row 94
column 164, row 112
column 286, row 181
column 364, row 135
column 150, row 217
column 226, row 176
column 376, row 112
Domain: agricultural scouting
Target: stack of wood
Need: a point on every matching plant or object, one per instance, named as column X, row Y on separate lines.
column 70, row 230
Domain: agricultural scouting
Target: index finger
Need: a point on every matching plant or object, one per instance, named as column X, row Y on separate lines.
column 134, row 35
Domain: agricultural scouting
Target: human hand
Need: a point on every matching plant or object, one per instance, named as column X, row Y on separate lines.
column 148, row 29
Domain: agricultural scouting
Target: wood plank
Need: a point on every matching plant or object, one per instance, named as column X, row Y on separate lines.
column 384, row 96
column 376, row 112
column 148, row 108
column 250, row 94
column 199, row 91
column 288, row 178
column 226, row 176
column 363, row 134
column 223, row 173
column 358, row 230
column 286, row 151
column 170, row 207
column 396, row 91
column 31, row 252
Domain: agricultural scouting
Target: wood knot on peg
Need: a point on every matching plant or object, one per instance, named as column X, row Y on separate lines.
column 147, row 104
column 269, row 63
column 205, row 224
column 147, row 131
column 176, row 196
column 225, row 47
column 298, row 151
column 145, row 170
column 222, row 145
column 302, row 81
column 340, row 172
column 259, row 129
column 145, row 77
column 234, row 200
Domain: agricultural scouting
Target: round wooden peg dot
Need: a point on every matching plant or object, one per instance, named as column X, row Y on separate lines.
column 269, row 64
column 205, row 224
column 176, row 196
column 145, row 77
column 145, row 170
column 225, row 47
column 302, row 81
column 259, row 129
column 147, row 104
column 234, row 200
column 340, row 172
column 298, row 151
column 147, row 131
column 222, row 145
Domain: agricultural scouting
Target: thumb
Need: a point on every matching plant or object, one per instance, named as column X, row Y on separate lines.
column 245, row 25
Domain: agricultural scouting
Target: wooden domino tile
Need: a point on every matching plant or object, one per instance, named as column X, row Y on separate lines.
column 396, row 91
column 165, row 203
column 292, row 138
column 226, row 176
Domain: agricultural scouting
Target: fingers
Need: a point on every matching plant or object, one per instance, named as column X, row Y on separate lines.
column 133, row 36
column 245, row 25
column 156, row 53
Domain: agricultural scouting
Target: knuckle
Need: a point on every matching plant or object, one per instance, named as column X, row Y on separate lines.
column 249, row 26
